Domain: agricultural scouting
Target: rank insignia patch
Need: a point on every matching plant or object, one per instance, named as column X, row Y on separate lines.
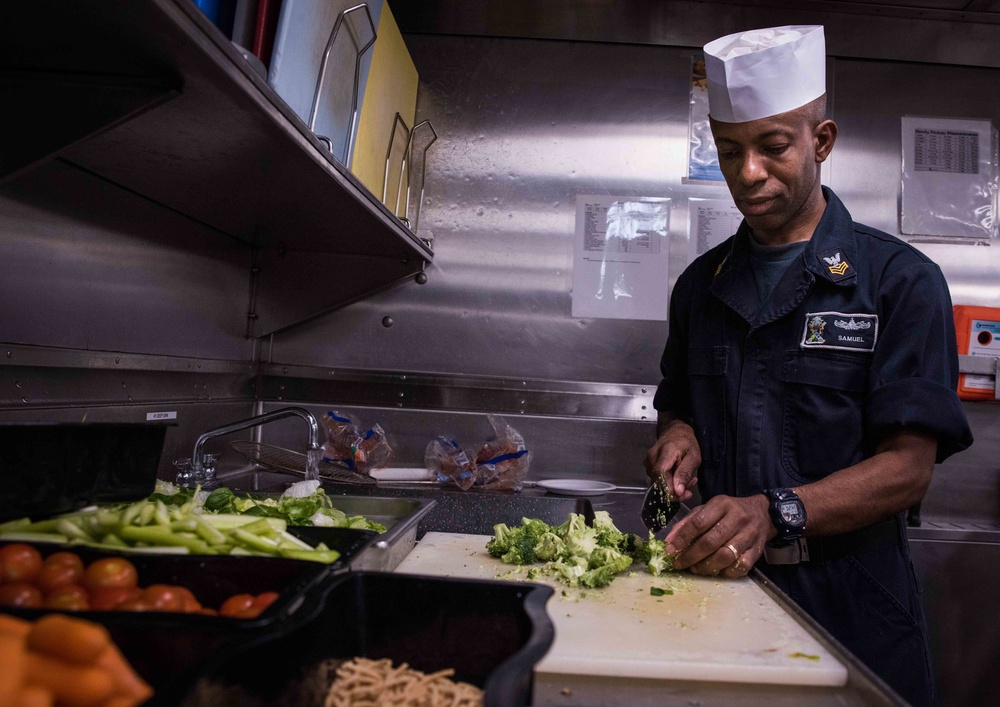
column 835, row 330
column 836, row 264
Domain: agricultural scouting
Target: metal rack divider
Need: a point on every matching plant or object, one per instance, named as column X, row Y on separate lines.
column 349, row 146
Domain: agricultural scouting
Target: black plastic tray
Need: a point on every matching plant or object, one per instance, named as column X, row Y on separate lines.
column 161, row 645
column 47, row 469
column 491, row 633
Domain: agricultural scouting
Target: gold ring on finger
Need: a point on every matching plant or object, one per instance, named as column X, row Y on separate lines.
column 736, row 553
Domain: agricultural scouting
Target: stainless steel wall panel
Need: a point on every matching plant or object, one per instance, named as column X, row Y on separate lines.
column 34, row 377
column 965, row 490
column 867, row 158
column 457, row 393
column 86, row 265
column 525, row 127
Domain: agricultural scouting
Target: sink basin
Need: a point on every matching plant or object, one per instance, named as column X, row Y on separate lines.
column 254, row 478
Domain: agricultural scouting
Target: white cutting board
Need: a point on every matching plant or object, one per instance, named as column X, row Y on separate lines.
column 708, row 629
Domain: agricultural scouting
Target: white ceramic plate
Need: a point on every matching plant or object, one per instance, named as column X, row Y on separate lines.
column 576, row 487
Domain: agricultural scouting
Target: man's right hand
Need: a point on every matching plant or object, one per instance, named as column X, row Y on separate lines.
column 676, row 457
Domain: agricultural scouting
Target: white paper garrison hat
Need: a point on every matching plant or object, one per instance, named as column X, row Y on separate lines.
column 764, row 72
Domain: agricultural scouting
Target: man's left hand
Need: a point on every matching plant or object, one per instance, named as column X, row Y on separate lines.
column 724, row 537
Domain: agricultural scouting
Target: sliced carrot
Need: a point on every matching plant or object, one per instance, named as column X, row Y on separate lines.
column 14, row 626
column 33, row 696
column 127, row 681
column 72, row 685
column 13, row 658
column 72, row 640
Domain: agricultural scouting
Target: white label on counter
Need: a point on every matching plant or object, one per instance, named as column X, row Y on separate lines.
column 151, row 416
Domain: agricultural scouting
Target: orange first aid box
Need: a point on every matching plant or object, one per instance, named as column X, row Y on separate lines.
column 978, row 331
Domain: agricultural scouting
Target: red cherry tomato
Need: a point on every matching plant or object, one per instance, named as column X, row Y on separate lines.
column 110, row 572
column 108, row 598
column 68, row 597
column 57, row 575
column 134, row 605
column 163, row 597
column 19, row 563
column 65, row 558
column 20, row 594
column 191, row 603
column 236, row 604
column 264, row 600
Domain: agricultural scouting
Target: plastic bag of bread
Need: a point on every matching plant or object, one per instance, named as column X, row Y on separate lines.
column 449, row 462
column 501, row 463
column 353, row 447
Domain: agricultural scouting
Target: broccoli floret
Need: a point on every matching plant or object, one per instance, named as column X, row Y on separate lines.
column 657, row 560
column 567, row 572
column 581, row 539
column 575, row 523
column 607, row 534
column 609, row 557
column 629, row 544
column 549, row 547
column 499, row 544
column 599, row 577
column 523, row 540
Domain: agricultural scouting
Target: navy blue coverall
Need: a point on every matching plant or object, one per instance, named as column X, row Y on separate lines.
column 856, row 341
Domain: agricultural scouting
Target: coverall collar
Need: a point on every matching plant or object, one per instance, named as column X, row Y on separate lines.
column 830, row 255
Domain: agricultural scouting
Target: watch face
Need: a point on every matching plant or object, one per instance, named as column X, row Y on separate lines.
column 791, row 512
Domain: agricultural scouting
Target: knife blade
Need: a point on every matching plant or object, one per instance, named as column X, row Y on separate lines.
column 659, row 506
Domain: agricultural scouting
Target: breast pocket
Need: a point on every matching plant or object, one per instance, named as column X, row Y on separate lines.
column 707, row 375
column 823, row 416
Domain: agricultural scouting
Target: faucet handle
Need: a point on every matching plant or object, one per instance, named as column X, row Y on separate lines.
column 188, row 476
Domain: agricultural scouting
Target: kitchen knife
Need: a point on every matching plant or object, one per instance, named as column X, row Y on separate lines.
column 659, row 506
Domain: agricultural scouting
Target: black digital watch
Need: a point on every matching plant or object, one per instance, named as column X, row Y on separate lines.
column 788, row 515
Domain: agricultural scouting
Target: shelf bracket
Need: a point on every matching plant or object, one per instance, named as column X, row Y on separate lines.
column 47, row 112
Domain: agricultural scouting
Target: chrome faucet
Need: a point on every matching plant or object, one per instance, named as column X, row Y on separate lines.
column 200, row 467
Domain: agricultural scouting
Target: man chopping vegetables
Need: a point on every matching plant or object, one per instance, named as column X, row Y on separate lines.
column 809, row 373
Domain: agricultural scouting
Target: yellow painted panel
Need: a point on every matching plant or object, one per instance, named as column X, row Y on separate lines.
column 391, row 89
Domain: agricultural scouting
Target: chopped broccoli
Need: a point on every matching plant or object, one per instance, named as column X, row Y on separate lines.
column 580, row 538
column 609, row 557
column 499, row 544
column 575, row 553
column 599, row 577
column 607, row 534
column 549, row 547
column 629, row 544
column 516, row 546
column 656, row 558
column 567, row 573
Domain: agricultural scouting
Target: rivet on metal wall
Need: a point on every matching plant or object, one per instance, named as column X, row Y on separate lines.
column 643, row 390
column 9, row 354
column 387, row 322
column 421, row 278
column 17, row 384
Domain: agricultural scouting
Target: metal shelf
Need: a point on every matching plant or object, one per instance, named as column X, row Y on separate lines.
column 210, row 140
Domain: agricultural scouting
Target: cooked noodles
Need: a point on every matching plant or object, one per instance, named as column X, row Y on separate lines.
column 362, row 681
